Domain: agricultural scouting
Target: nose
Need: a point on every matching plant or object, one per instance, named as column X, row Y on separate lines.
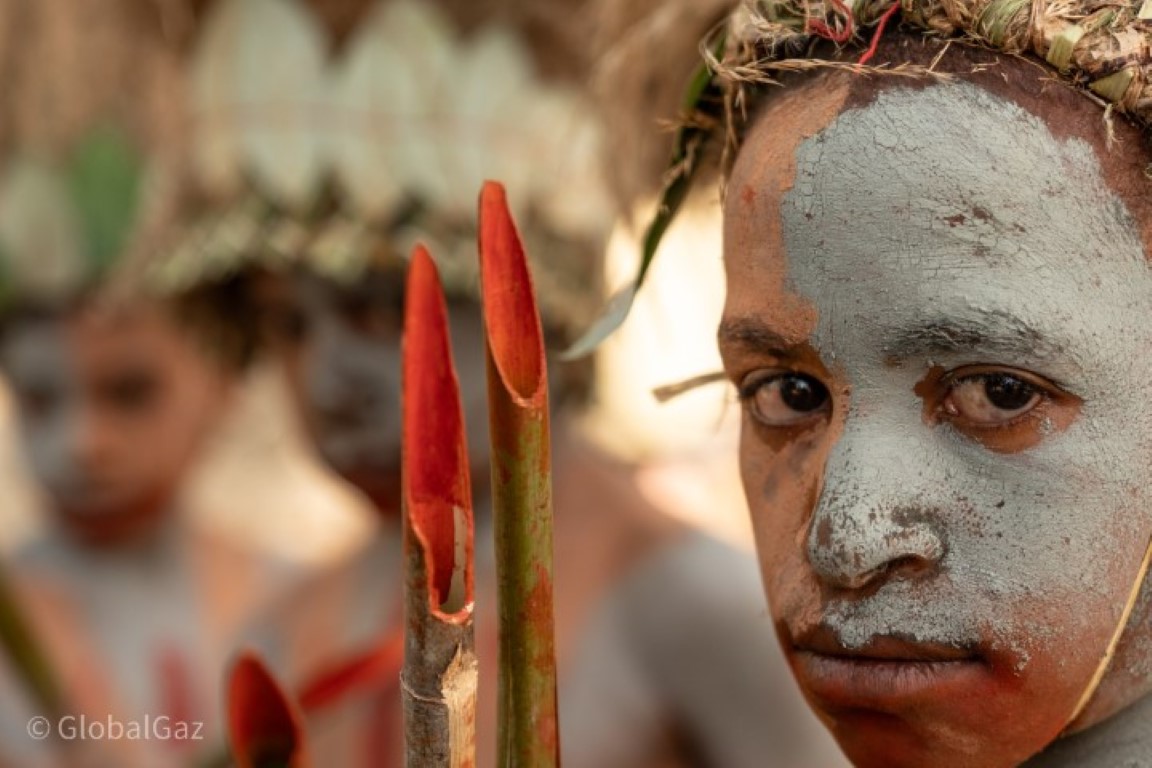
column 875, row 519
column 87, row 443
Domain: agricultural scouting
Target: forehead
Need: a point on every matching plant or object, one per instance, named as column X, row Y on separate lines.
column 90, row 340
column 928, row 206
column 35, row 348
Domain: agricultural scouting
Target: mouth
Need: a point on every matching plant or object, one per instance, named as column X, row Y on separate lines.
column 886, row 673
column 89, row 500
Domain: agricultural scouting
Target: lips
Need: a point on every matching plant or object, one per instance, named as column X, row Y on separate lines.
column 825, row 642
column 886, row 674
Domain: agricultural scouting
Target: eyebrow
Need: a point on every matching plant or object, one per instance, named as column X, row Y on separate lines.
column 996, row 331
column 755, row 335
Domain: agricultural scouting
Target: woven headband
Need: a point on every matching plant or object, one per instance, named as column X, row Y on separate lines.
column 1103, row 46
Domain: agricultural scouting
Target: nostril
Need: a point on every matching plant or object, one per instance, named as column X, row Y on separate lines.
column 908, row 566
column 857, row 548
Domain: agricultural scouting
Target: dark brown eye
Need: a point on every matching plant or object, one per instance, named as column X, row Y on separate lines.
column 1007, row 392
column 38, row 400
column 786, row 398
column 131, row 391
column 991, row 398
column 284, row 325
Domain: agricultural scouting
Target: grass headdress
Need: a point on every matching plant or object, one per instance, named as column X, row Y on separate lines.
column 337, row 160
column 1099, row 46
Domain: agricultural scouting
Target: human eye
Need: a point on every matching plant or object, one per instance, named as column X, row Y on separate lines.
column 38, row 400
column 130, row 391
column 784, row 398
column 990, row 399
column 1004, row 409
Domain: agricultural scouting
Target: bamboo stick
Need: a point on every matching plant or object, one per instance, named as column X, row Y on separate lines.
column 440, row 673
column 521, row 492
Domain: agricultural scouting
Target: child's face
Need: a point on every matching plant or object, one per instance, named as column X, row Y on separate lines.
column 341, row 347
column 939, row 318
column 112, row 406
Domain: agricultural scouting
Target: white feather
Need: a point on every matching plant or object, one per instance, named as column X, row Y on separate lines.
column 414, row 97
column 376, row 93
column 282, row 76
column 488, row 129
column 571, row 191
column 40, row 235
column 263, row 77
column 216, row 143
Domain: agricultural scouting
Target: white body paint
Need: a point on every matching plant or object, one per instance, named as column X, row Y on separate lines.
column 950, row 205
column 40, row 355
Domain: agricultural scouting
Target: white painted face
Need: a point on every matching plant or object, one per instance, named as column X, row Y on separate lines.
column 113, row 406
column 341, row 348
column 938, row 316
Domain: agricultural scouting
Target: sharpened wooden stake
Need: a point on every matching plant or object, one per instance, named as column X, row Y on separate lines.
column 440, row 674
column 521, row 492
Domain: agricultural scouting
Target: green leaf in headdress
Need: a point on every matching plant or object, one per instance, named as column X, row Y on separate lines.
column 702, row 101
column 104, row 178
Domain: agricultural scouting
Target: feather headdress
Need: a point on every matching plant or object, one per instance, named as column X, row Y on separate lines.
column 331, row 159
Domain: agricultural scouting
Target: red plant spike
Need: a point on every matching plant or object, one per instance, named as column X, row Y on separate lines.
column 521, row 491
column 436, row 484
column 440, row 673
column 376, row 669
column 264, row 725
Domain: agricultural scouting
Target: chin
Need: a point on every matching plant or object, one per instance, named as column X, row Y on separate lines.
column 898, row 703
column 878, row 740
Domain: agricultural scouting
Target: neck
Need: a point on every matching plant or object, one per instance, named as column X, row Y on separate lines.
column 1123, row 739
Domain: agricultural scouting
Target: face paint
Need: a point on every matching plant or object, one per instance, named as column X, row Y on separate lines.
column 112, row 408
column 944, row 587
column 342, row 352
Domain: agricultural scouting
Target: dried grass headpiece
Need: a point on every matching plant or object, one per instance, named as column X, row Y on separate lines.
column 1101, row 46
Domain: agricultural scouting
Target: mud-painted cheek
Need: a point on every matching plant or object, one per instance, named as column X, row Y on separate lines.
column 782, row 480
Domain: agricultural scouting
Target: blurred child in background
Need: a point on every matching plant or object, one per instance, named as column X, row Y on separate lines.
column 655, row 622
column 133, row 605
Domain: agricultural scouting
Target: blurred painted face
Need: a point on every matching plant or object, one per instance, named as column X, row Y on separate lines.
column 938, row 319
column 113, row 406
column 341, row 346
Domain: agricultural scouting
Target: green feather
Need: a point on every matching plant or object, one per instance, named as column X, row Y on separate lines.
column 702, row 102
column 104, row 179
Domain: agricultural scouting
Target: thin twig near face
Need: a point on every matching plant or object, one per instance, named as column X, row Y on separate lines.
column 440, row 673
column 521, row 492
